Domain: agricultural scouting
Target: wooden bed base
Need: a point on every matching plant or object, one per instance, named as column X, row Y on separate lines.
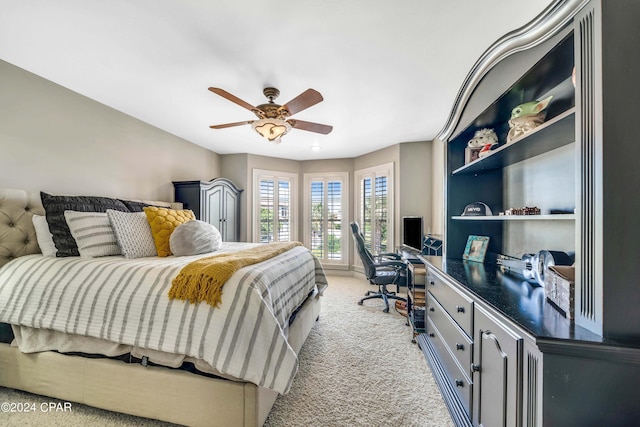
column 152, row 392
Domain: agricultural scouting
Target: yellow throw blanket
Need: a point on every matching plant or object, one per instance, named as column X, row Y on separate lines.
column 202, row 280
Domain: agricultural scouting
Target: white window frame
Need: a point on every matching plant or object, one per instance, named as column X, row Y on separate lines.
column 263, row 174
column 345, row 232
column 385, row 169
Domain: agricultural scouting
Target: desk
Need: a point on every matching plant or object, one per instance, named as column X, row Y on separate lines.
column 410, row 256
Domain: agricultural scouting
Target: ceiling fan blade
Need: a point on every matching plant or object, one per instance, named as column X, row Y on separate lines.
column 223, row 93
column 310, row 126
column 228, row 125
column 303, row 101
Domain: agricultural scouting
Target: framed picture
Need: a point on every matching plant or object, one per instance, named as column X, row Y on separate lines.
column 476, row 248
column 471, row 154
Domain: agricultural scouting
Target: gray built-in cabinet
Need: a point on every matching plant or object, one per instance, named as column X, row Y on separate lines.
column 216, row 202
column 501, row 353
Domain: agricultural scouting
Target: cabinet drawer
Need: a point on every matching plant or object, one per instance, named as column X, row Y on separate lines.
column 456, row 378
column 458, row 343
column 459, row 307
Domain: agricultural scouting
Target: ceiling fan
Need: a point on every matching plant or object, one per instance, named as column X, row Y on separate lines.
column 273, row 121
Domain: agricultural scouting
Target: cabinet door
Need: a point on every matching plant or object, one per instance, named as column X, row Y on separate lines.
column 212, row 207
column 532, row 385
column 230, row 211
column 220, row 201
column 497, row 373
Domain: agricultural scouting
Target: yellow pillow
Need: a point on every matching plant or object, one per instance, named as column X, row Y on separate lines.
column 163, row 221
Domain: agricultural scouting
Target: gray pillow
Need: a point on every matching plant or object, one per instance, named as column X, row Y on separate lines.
column 133, row 233
column 194, row 237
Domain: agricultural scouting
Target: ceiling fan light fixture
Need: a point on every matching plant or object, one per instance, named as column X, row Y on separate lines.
column 272, row 129
column 273, row 119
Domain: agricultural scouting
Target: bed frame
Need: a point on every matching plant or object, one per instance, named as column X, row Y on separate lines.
column 153, row 392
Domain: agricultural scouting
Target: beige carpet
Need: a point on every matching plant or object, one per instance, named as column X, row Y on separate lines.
column 358, row 368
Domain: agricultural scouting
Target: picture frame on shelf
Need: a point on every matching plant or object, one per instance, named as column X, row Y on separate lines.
column 471, row 154
column 476, row 248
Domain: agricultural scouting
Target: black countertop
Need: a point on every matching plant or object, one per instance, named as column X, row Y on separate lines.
column 522, row 302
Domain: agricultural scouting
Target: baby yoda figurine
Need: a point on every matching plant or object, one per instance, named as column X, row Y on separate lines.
column 526, row 117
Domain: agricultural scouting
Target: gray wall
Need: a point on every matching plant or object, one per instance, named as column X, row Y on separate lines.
column 56, row 140
column 415, row 185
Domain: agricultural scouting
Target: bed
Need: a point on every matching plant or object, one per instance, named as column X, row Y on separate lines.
column 74, row 319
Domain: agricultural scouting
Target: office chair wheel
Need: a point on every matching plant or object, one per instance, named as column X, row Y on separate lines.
column 359, row 302
column 386, row 310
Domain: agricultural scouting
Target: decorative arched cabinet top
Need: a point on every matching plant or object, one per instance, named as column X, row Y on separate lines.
column 221, row 181
column 546, row 25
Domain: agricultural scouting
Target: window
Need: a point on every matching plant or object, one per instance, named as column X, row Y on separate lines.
column 274, row 206
column 326, row 215
column 374, row 207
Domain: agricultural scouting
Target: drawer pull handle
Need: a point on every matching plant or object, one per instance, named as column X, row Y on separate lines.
column 432, row 309
column 432, row 283
column 459, row 383
column 431, row 334
column 475, row 368
column 459, row 309
column 459, row 346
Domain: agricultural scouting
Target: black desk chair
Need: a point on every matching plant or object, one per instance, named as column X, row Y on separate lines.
column 383, row 256
column 381, row 273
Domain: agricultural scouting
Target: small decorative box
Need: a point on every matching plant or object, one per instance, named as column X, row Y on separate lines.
column 559, row 286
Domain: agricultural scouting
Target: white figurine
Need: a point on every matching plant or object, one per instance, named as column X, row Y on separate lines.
column 485, row 140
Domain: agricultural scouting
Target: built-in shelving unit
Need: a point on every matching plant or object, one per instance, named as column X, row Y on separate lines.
column 501, row 353
column 488, row 179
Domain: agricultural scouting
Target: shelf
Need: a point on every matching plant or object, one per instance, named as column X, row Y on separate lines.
column 553, row 217
column 555, row 133
column 418, row 298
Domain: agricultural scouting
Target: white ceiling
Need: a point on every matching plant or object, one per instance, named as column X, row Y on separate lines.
column 389, row 70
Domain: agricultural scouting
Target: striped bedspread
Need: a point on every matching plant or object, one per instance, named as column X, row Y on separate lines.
column 126, row 301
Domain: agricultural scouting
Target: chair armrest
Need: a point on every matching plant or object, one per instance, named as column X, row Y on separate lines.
column 390, row 255
column 392, row 264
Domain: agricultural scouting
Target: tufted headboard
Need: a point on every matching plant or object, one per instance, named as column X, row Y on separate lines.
column 17, row 234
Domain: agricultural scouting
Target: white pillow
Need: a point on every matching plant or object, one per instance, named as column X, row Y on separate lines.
column 93, row 233
column 194, row 237
column 44, row 236
column 133, row 233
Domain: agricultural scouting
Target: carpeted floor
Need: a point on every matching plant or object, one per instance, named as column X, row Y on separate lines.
column 357, row 368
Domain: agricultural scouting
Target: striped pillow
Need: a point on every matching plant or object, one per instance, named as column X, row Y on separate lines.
column 93, row 233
